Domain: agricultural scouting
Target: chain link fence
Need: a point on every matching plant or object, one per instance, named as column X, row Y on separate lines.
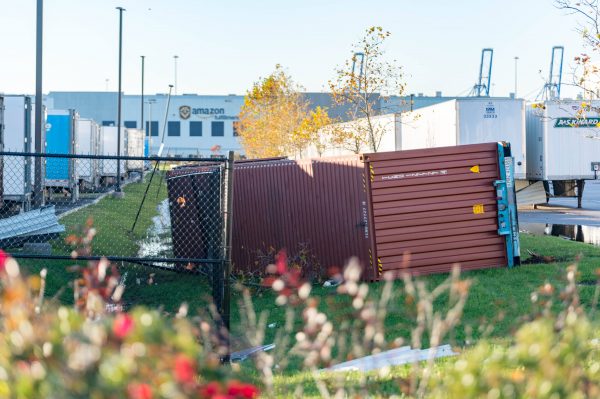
column 163, row 216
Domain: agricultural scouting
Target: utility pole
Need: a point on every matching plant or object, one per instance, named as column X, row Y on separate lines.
column 142, row 102
column 118, row 188
column 516, row 60
column 175, row 57
column 39, row 106
column 149, row 132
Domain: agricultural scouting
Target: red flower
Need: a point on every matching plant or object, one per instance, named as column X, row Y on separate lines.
column 139, row 391
column 281, row 262
column 185, row 371
column 210, row 390
column 249, row 391
column 240, row 390
column 122, row 325
column 3, row 257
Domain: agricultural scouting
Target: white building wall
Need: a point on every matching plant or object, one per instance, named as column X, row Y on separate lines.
column 101, row 107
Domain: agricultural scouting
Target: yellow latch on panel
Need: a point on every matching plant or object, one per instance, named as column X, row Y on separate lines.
column 478, row 209
column 475, row 169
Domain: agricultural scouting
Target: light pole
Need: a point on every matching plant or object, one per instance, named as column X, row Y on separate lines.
column 150, row 102
column 175, row 57
column 142, row 100
column 516, row 60
column 38, row 192
column 118, row 188
column 106, row 83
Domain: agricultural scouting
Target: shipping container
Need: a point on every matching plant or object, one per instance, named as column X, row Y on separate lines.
column 135, row 148
column 108, row 146
column 17, row 179
column 563, row 140
column 468, row 121
column 88, row 143
column 61, row 138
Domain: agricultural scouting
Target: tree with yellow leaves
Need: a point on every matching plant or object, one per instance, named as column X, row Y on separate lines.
column 359, row 84
column 275, row 118
column 311, row 133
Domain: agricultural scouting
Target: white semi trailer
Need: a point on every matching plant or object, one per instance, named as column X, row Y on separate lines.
column 135, row 148
column 468, row 121
column 17, row 173
column 108, row 146
column 88, row 143
column 563, row 145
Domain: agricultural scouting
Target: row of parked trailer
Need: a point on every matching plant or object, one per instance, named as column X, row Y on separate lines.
column 64, row 132
column 555, row 144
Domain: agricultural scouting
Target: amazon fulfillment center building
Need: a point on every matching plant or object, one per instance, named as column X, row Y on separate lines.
column 195, row 123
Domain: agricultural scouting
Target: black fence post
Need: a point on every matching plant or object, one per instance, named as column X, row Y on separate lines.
column 38, row 192
column 228, row 233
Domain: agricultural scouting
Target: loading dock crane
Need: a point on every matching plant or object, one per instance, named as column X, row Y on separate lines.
column 360, row 57
column 482, row 87
column 551, row 90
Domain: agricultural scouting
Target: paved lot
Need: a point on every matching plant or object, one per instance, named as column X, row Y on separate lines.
column 564, row 210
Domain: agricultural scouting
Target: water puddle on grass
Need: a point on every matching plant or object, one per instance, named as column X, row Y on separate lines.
column 158, row 241
column 587, row 234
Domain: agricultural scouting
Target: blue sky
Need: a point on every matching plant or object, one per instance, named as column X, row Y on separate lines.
column 225, row 45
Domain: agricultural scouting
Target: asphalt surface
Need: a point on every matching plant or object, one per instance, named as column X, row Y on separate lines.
column 564, row 210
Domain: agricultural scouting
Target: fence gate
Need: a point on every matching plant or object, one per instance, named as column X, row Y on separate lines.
column 433, row 208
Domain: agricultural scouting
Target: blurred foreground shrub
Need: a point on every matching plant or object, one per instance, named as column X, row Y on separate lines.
column 556, row 355
column 96, row 350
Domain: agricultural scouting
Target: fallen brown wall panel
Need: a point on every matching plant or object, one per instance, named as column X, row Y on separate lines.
column 319, row 205
column 433, row 208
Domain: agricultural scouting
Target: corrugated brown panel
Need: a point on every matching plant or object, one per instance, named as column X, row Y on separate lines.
column 422, row 204
column 318, row 203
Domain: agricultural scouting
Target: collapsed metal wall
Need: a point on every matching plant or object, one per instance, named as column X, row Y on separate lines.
column 420, row 211
column 319, row 205
column 435, row 208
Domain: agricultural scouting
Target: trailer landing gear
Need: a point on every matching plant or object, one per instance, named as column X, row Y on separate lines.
column 580, row 186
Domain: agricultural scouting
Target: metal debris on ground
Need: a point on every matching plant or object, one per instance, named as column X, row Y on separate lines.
column 246, row 353
column 394, row 357
column 32, row 226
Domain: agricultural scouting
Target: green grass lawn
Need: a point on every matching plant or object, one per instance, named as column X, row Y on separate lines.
column 113, row 219
column 493, row 291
